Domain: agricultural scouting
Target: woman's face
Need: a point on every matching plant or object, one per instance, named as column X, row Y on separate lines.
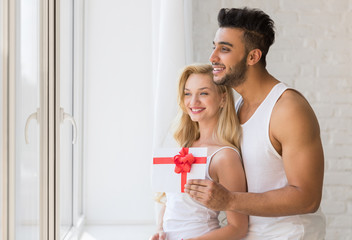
column 201, row 98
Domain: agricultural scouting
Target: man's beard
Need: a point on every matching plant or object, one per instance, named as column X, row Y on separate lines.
column 236, row 76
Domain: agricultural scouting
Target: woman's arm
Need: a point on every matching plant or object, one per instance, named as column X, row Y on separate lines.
column 160, row 235
column 227, row 169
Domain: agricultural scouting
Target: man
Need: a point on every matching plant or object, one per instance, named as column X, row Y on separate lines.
column 281, row 146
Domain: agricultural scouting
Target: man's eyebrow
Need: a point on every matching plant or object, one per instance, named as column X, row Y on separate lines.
column 224, row 43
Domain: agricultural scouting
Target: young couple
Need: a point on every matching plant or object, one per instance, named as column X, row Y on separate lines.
column 272, row 188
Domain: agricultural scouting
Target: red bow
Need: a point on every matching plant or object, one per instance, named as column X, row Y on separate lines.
column 183, row 161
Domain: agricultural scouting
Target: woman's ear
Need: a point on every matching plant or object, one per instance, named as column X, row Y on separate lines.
column 254, row 56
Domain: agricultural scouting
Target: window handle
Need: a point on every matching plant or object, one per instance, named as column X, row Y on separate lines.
column 65, row 116
column 35, row 115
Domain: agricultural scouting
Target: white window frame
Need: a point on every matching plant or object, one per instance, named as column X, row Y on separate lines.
column 50, row 120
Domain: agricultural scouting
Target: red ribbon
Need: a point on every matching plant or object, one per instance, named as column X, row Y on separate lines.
column 183, row 163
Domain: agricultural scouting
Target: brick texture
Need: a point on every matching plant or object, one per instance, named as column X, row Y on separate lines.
column 313, row 53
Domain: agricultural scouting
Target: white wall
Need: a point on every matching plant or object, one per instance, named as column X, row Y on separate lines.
column 313, row 53
column 118, row 112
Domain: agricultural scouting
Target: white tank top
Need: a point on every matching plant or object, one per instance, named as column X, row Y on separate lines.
column 265, row 171
column 185, row 218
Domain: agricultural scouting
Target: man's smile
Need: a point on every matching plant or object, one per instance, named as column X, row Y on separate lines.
column 217, row 68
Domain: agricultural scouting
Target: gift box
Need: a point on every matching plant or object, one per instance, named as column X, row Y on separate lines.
column 172, row 167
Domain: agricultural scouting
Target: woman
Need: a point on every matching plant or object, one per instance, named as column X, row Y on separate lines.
column 207, row 118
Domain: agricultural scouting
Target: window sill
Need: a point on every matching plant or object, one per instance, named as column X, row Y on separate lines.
column 116, row 232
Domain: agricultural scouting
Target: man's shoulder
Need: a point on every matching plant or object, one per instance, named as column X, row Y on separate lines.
column 292, row 113
column 292, row 102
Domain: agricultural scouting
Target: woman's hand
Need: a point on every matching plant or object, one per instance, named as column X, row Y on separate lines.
column 158, row 236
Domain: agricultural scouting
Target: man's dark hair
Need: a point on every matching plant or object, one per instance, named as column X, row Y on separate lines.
column 258, row 28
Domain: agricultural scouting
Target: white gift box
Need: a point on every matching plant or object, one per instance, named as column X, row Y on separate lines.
column 165, row 167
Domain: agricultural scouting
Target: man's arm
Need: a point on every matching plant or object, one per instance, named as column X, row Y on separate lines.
column 294, row 132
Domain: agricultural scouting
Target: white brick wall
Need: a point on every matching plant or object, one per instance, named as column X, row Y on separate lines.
column 313, row 53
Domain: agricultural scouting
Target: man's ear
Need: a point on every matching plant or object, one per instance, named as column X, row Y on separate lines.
column 254, row 56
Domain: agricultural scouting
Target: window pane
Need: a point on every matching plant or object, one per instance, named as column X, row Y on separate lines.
column 1, row 115
column 66, row 102
column 27, row 182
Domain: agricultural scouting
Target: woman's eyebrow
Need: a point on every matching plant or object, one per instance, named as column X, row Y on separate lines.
column 202, row 88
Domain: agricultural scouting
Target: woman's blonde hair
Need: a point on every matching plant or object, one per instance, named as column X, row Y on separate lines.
column 228, row 129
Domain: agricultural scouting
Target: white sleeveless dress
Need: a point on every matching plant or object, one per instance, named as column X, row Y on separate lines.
column 186, row 218
column 265, row 171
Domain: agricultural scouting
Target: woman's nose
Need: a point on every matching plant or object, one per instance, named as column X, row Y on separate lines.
column 194, row 100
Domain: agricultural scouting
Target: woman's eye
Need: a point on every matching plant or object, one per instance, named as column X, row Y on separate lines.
column 204, row 93
column 187, row 94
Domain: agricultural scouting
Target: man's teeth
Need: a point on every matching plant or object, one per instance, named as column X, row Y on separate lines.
column 218, row 69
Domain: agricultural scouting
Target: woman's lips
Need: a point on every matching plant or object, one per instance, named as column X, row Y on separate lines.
column 197, row 110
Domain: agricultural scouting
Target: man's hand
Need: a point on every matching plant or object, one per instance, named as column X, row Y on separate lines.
column 211, row 194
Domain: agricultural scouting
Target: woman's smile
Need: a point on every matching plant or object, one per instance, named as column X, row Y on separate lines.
column 197, row 110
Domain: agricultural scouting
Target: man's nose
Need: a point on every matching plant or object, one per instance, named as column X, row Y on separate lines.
column 214, row 56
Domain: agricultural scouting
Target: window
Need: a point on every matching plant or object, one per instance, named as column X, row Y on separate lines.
column 1, row 116
column 42, row 179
